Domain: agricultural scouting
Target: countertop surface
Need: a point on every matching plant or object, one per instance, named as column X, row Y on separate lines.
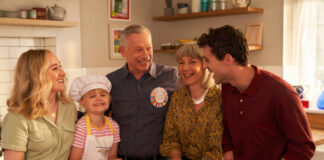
column 318, row 136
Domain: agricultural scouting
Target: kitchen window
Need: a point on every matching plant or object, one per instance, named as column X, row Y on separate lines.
column 303, row 57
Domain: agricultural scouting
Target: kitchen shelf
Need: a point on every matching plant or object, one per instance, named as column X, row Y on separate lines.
column 36, row 22
column 232, row 11
column 251, row 48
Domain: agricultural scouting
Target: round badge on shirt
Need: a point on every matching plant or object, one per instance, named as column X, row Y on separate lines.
column 159, row 97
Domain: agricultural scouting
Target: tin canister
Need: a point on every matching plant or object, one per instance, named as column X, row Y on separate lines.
column 41, row 13
column 32, row 14
column 23, row 14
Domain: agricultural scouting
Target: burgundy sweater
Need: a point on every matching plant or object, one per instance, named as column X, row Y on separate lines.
column 267, row 121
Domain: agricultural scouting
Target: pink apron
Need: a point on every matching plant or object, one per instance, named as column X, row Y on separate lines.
column 97, row 148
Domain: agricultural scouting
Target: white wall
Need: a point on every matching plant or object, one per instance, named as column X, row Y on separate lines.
column 272, row 38
column 95, row 27
column 68, row 39
column 95, row 35
column 14, row 40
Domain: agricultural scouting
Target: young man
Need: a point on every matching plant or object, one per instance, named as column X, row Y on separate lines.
column 263, row 115
column 140, row 96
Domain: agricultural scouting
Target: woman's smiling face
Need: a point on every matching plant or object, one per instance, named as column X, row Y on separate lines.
column 191, row 70
column 56, row 73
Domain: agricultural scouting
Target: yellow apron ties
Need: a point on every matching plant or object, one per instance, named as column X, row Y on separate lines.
column 97, row 147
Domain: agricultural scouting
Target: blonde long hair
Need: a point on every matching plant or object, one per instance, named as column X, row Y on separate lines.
column 193, row 51
column 29, row 96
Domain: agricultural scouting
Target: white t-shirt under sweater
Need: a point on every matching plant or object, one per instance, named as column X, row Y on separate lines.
column 81, row 132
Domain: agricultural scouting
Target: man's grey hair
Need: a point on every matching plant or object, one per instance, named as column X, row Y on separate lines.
column 134, row 28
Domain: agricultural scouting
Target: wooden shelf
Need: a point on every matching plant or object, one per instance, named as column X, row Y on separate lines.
column 245, row 10
column 251, row 48
column 36, row 22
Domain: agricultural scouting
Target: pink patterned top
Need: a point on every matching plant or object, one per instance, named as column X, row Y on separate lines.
column 81, row 132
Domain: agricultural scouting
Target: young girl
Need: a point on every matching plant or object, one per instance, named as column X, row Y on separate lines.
column 96, row 136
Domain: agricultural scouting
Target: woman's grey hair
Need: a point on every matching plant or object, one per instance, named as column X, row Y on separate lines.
column 134, row 28
column 193, row 51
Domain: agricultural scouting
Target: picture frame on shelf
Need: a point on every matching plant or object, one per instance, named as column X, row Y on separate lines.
column 254, row 34
column 119, row 10
column 114, row 42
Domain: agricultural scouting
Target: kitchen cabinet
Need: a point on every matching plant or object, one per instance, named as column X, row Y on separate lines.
column 318, row 135
column 232, row 11
column 316, row 122
column 36, row 22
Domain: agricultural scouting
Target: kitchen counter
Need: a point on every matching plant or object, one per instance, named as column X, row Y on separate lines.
column 316, row 122
column 318, row 136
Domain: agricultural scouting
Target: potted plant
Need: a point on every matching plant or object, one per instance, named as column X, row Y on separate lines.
column 169, row 10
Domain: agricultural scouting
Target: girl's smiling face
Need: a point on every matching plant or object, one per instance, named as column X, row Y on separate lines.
column 96, row 101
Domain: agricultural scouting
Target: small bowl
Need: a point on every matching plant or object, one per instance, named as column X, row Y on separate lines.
column 183, row 10
column 166, row 46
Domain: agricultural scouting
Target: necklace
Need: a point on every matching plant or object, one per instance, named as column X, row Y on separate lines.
column 53, row 115
column 201, row 99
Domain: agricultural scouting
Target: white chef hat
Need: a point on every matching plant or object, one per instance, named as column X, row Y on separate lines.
column 81, row 85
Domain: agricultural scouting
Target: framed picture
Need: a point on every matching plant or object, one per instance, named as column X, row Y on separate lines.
column 119, row 10
column 115, row 33
column 254, row 34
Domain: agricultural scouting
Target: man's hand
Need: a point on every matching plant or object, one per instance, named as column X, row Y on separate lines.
column 229, row 155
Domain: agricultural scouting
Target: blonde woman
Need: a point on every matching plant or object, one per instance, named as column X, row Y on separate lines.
column 41, row 119
column 193, row 127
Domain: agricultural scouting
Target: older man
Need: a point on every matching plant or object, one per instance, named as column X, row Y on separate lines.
column 140, row 92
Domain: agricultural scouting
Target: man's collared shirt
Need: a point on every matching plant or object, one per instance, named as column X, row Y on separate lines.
column 266, row 121
column 141, row 123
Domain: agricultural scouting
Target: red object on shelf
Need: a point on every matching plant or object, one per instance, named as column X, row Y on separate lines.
column 41, row 13
column 305, row 103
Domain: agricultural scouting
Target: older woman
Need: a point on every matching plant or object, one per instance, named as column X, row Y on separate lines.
column 193, row 127
column 40, row 123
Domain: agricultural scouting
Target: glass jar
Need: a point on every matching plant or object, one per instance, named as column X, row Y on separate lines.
column 32, row 14
column 213, row 5
column 204, row 5
column 222, row 4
